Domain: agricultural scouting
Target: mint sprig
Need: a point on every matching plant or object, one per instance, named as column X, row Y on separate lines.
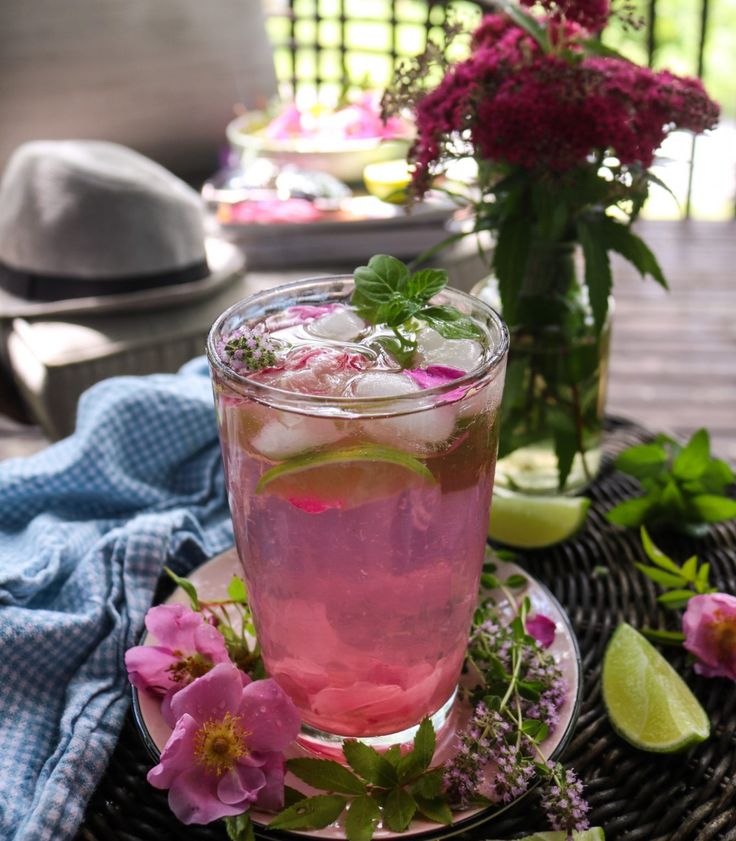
column 684, row 487
column 388, row 293
column 390, row 787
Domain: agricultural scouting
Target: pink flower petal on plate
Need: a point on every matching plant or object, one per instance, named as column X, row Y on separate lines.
column 541, row 628
column 217, row 692
column 270, row 716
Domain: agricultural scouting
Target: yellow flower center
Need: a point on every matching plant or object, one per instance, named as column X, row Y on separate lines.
column 186, row 669
column 220, row 743
column 724, row 634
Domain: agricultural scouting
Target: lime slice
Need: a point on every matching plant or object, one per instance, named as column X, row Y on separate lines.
column 648, row 703
column 530, row 522
column 593, row 834
column 344, row 478
column 388, row 180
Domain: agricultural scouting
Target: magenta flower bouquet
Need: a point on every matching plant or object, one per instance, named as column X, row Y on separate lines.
column 564, row 131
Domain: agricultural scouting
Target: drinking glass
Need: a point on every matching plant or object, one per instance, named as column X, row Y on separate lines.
column 361, row 525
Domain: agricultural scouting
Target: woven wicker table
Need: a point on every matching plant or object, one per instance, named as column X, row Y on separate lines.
column 634, row 795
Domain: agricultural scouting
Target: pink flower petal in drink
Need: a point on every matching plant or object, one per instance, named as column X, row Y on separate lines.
column 189, row 647
column 434, row 375
column 286, row 125
column 709, row 625
column 225, row 752
column 541, row 628
column 299, row 314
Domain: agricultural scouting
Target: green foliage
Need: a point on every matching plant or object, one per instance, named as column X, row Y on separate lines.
column 240, row 828
column 390, row 787
column 387, row 293
column 681, row 583
column 684, row 487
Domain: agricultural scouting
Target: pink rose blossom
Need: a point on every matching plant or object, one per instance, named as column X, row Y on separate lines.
column 188, row 647
column 709, row 625
column 225, row 753
column 542, row 628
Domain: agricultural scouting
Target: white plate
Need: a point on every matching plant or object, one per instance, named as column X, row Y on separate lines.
column 211, row 580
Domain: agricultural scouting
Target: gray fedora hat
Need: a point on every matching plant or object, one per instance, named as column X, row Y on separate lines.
column 88, row 226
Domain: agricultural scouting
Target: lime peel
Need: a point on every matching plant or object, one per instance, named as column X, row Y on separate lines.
column 365, row 453
column 649, row 705
column 532, row 522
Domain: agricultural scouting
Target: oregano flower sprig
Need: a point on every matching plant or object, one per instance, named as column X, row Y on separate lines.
column 387, row 293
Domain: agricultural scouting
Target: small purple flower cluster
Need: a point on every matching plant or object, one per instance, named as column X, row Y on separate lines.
column 248, row 349
column 514, row 772
column 563, row 801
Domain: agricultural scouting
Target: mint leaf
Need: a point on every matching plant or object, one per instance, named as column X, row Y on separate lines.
column 664, row 637
column 186, row 586
column 666, row 579
column 702, row 585
column 361, row 820
column 449, row 323
column 424, row 743
column 642, row 461
column 369, row 764
column 382, row 277
column 399, row 809
column 429, row 785
column 657, row 556
column 240, row 828
column 396, row 310
column 435, row 810
column 236, row 590
column 312, row 813
column 516, row 582
column 425, row 284
column 714, row 509
column 692, row 460
column 326, row 775
column 717, row 476
column 675, row 599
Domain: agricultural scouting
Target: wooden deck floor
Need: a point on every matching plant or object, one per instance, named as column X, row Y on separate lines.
column 673, row 363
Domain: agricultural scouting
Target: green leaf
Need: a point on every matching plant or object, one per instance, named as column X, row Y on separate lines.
column 597, row 268
column 488, row 581
column 510, row 260
column 292, row 796
column 326, row 774
column 186, row 586
column 362, row 817
column 596, row 47
column 534, row 729
column 399, row 809
column 671, row 498
column 425, row 284
column 714, row 509
column 620, row 238
column 516, row 581
column 236, row 590
column 429, row 785
column 702, row 585
column 402, row 353
column 449, row 323
column 656, row 555
column 717, row 476
column 240, row 828
column 435, row 810
column 693, row 458
column 664, row 637
column 424, row 743
column 396, row 310
column 566, row 448
column 369, row 764
column 383, row 276
column 642, row 461
column 689, row 569
column 393, row 755
column 312, row 813
column 666, row 579
column 675, row 599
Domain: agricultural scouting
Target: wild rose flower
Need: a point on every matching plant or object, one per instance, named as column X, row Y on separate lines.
column 188, row 647
column 225, row 753
column 542, row 628
column 709, row 625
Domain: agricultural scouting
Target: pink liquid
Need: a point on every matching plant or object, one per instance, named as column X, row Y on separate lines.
column 363, row 597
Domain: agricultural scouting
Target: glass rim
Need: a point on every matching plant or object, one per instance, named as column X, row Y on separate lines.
column 280, row 397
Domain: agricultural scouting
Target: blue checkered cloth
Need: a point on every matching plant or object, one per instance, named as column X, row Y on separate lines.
column 85, row 527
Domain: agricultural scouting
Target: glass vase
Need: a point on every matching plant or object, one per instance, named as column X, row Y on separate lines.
column 553, row 403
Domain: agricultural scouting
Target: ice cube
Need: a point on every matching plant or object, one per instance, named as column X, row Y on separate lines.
column 434, row 349
column 420, row 431
column 340, row 325
column 288, row 434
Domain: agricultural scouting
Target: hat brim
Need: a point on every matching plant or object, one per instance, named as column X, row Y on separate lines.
column 225, row 260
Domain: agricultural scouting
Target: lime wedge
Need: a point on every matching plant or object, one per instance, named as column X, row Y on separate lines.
column 388, row 180
column 648, row 703
column 593, row 834
column 344, row 478
column 530, row 522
